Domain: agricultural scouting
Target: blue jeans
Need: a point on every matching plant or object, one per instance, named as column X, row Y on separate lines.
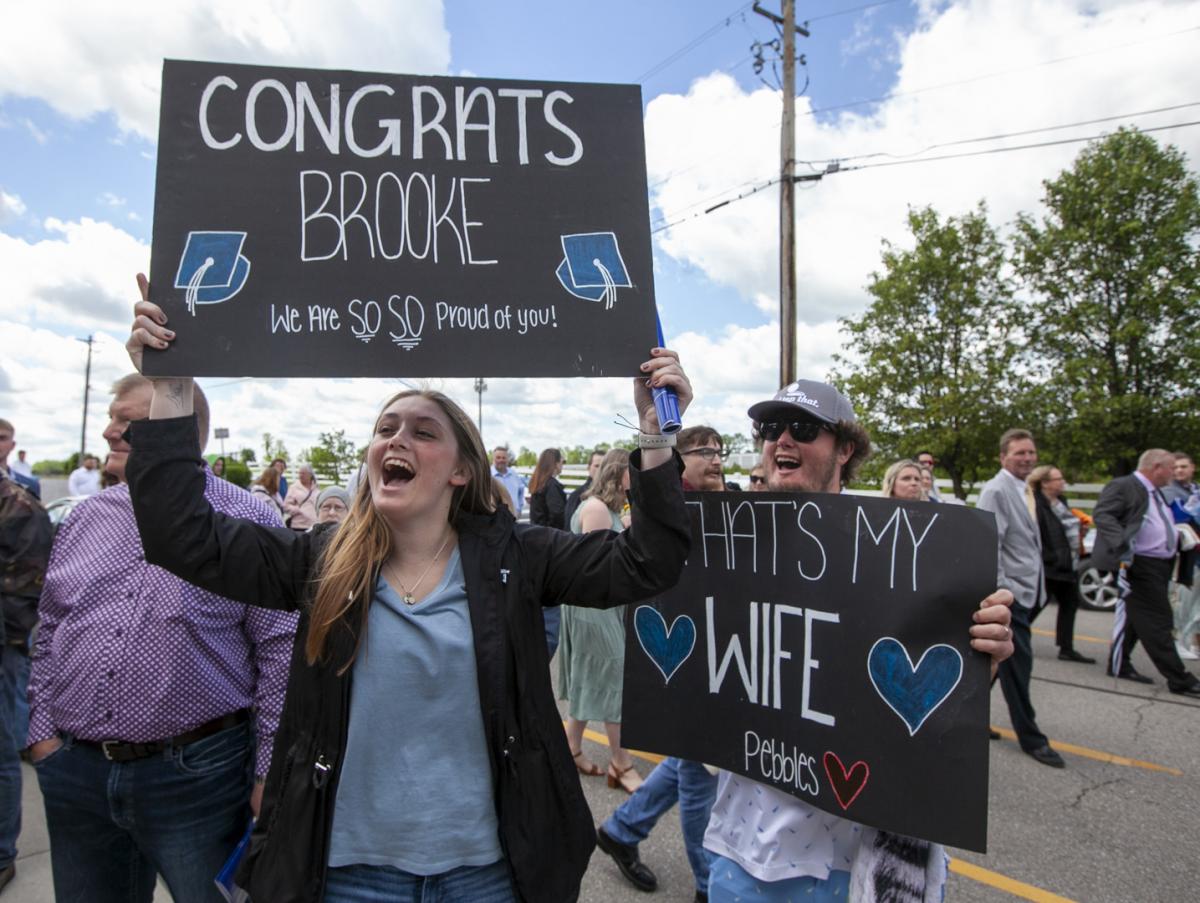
column 113, row 826
column 672, row 779
column 14, row 725
column 384, row 884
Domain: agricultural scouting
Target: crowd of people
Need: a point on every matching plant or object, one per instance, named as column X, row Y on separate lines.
column 364, row 673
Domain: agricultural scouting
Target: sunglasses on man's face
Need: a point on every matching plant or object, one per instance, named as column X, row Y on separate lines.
column 803, row 431
column 755, row 479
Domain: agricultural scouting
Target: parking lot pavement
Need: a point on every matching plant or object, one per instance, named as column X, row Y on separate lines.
column 1120, row 823
column 1098, row 831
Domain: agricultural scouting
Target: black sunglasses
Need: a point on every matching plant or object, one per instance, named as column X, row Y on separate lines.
column 755, row 479
column 803, row 431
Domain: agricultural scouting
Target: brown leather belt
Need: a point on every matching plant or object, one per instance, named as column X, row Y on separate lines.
column 121, row 751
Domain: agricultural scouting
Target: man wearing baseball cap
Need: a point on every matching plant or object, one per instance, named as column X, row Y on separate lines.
column 769, row 845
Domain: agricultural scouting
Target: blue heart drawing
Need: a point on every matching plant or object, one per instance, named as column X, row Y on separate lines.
column 667, row 647
column 913, row 692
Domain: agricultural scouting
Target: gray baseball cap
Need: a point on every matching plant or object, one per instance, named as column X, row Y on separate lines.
column 805, row 398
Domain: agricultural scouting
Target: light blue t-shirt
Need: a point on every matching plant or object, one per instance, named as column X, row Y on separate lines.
column 416, row 787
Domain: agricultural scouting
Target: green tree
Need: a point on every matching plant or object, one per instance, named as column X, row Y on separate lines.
column 334, row 456
column 246, row 456
column 237, row 472
column 273, row 448
column 526, row 457
column 324, row 465
column 736, row 443
column 1113, row 265
column 933, row 362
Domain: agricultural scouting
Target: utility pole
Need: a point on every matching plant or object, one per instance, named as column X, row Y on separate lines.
column 787, row 192
column 87, row 378
column 787, row 203
column 480, row 388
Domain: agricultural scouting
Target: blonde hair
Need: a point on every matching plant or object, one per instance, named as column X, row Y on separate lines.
column 348, row 567
column 893, row 473
column 608, row 486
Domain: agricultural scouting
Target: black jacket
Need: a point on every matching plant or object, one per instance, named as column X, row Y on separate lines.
column 574, row 500
column 25, row 540
column 1118, row 515
column 1056, row 545
column 546, row 506
column 510, row 571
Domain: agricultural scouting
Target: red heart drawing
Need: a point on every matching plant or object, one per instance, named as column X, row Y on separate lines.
column 847, row 785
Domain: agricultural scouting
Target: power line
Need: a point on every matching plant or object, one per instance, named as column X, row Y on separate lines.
column 1002, row 150
column 684, row 219
column 1047, row 128
column 998, row 73
column 691, row 45
column 707, row 200
column 846, row 12
column 834, row 170
column 813, row 111
column 816, row 165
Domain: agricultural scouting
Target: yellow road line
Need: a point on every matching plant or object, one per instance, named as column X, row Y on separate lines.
column 1099, row 755
column 1078, row 636
column 602, row 739
column 966, row 869
column 1004, row 883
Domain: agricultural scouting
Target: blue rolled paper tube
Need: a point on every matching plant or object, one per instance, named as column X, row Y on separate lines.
column 666, row 404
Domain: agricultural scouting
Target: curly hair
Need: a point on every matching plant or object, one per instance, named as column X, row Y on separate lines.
column 850, row 432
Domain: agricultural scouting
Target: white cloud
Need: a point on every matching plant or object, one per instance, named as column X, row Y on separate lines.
column 109, row 199
column 718, row 136
column 80, row 277
column 87, row 58
column 44, row 392
column 11, row 206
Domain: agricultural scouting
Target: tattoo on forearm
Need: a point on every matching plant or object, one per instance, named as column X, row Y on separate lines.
column 175, row 393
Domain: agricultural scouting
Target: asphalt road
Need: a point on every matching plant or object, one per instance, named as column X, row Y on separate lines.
column 1104, row 830
column 1096, row 831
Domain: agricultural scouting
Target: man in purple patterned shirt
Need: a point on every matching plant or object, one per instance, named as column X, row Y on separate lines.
column 153, row 703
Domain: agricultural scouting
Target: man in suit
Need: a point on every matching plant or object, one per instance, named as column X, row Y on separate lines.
column 1020, row 571
column 1136, row 538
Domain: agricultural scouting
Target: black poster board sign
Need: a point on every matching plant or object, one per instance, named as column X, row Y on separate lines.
column 336, row 223
column 818, row 644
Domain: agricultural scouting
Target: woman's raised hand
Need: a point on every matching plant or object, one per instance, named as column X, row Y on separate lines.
column 149, row 328
column 661, row 371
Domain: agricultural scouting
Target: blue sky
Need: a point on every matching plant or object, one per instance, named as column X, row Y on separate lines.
column 78, row 101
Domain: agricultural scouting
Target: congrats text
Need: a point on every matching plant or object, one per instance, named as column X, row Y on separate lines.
column 312, row 222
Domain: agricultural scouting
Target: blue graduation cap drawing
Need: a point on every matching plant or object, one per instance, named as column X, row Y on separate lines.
column 212, row 268
column 592, row 268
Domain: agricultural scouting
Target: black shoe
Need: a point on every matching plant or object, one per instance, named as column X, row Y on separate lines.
column 626, row 858
column 993, row 734
column 1070, row 655
column 6, row 875
column 701, row 897
column 1192, row 689
column 1135, row 676
column 1047, row 756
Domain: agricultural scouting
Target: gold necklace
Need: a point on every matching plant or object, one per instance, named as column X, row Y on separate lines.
column 407, row 594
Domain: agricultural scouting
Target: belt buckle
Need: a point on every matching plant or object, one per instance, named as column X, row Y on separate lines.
column 105, row 748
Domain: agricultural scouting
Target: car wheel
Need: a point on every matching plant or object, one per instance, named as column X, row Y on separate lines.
column 1097, row 592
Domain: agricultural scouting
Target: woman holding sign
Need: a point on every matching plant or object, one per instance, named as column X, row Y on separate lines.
column 420, row 749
